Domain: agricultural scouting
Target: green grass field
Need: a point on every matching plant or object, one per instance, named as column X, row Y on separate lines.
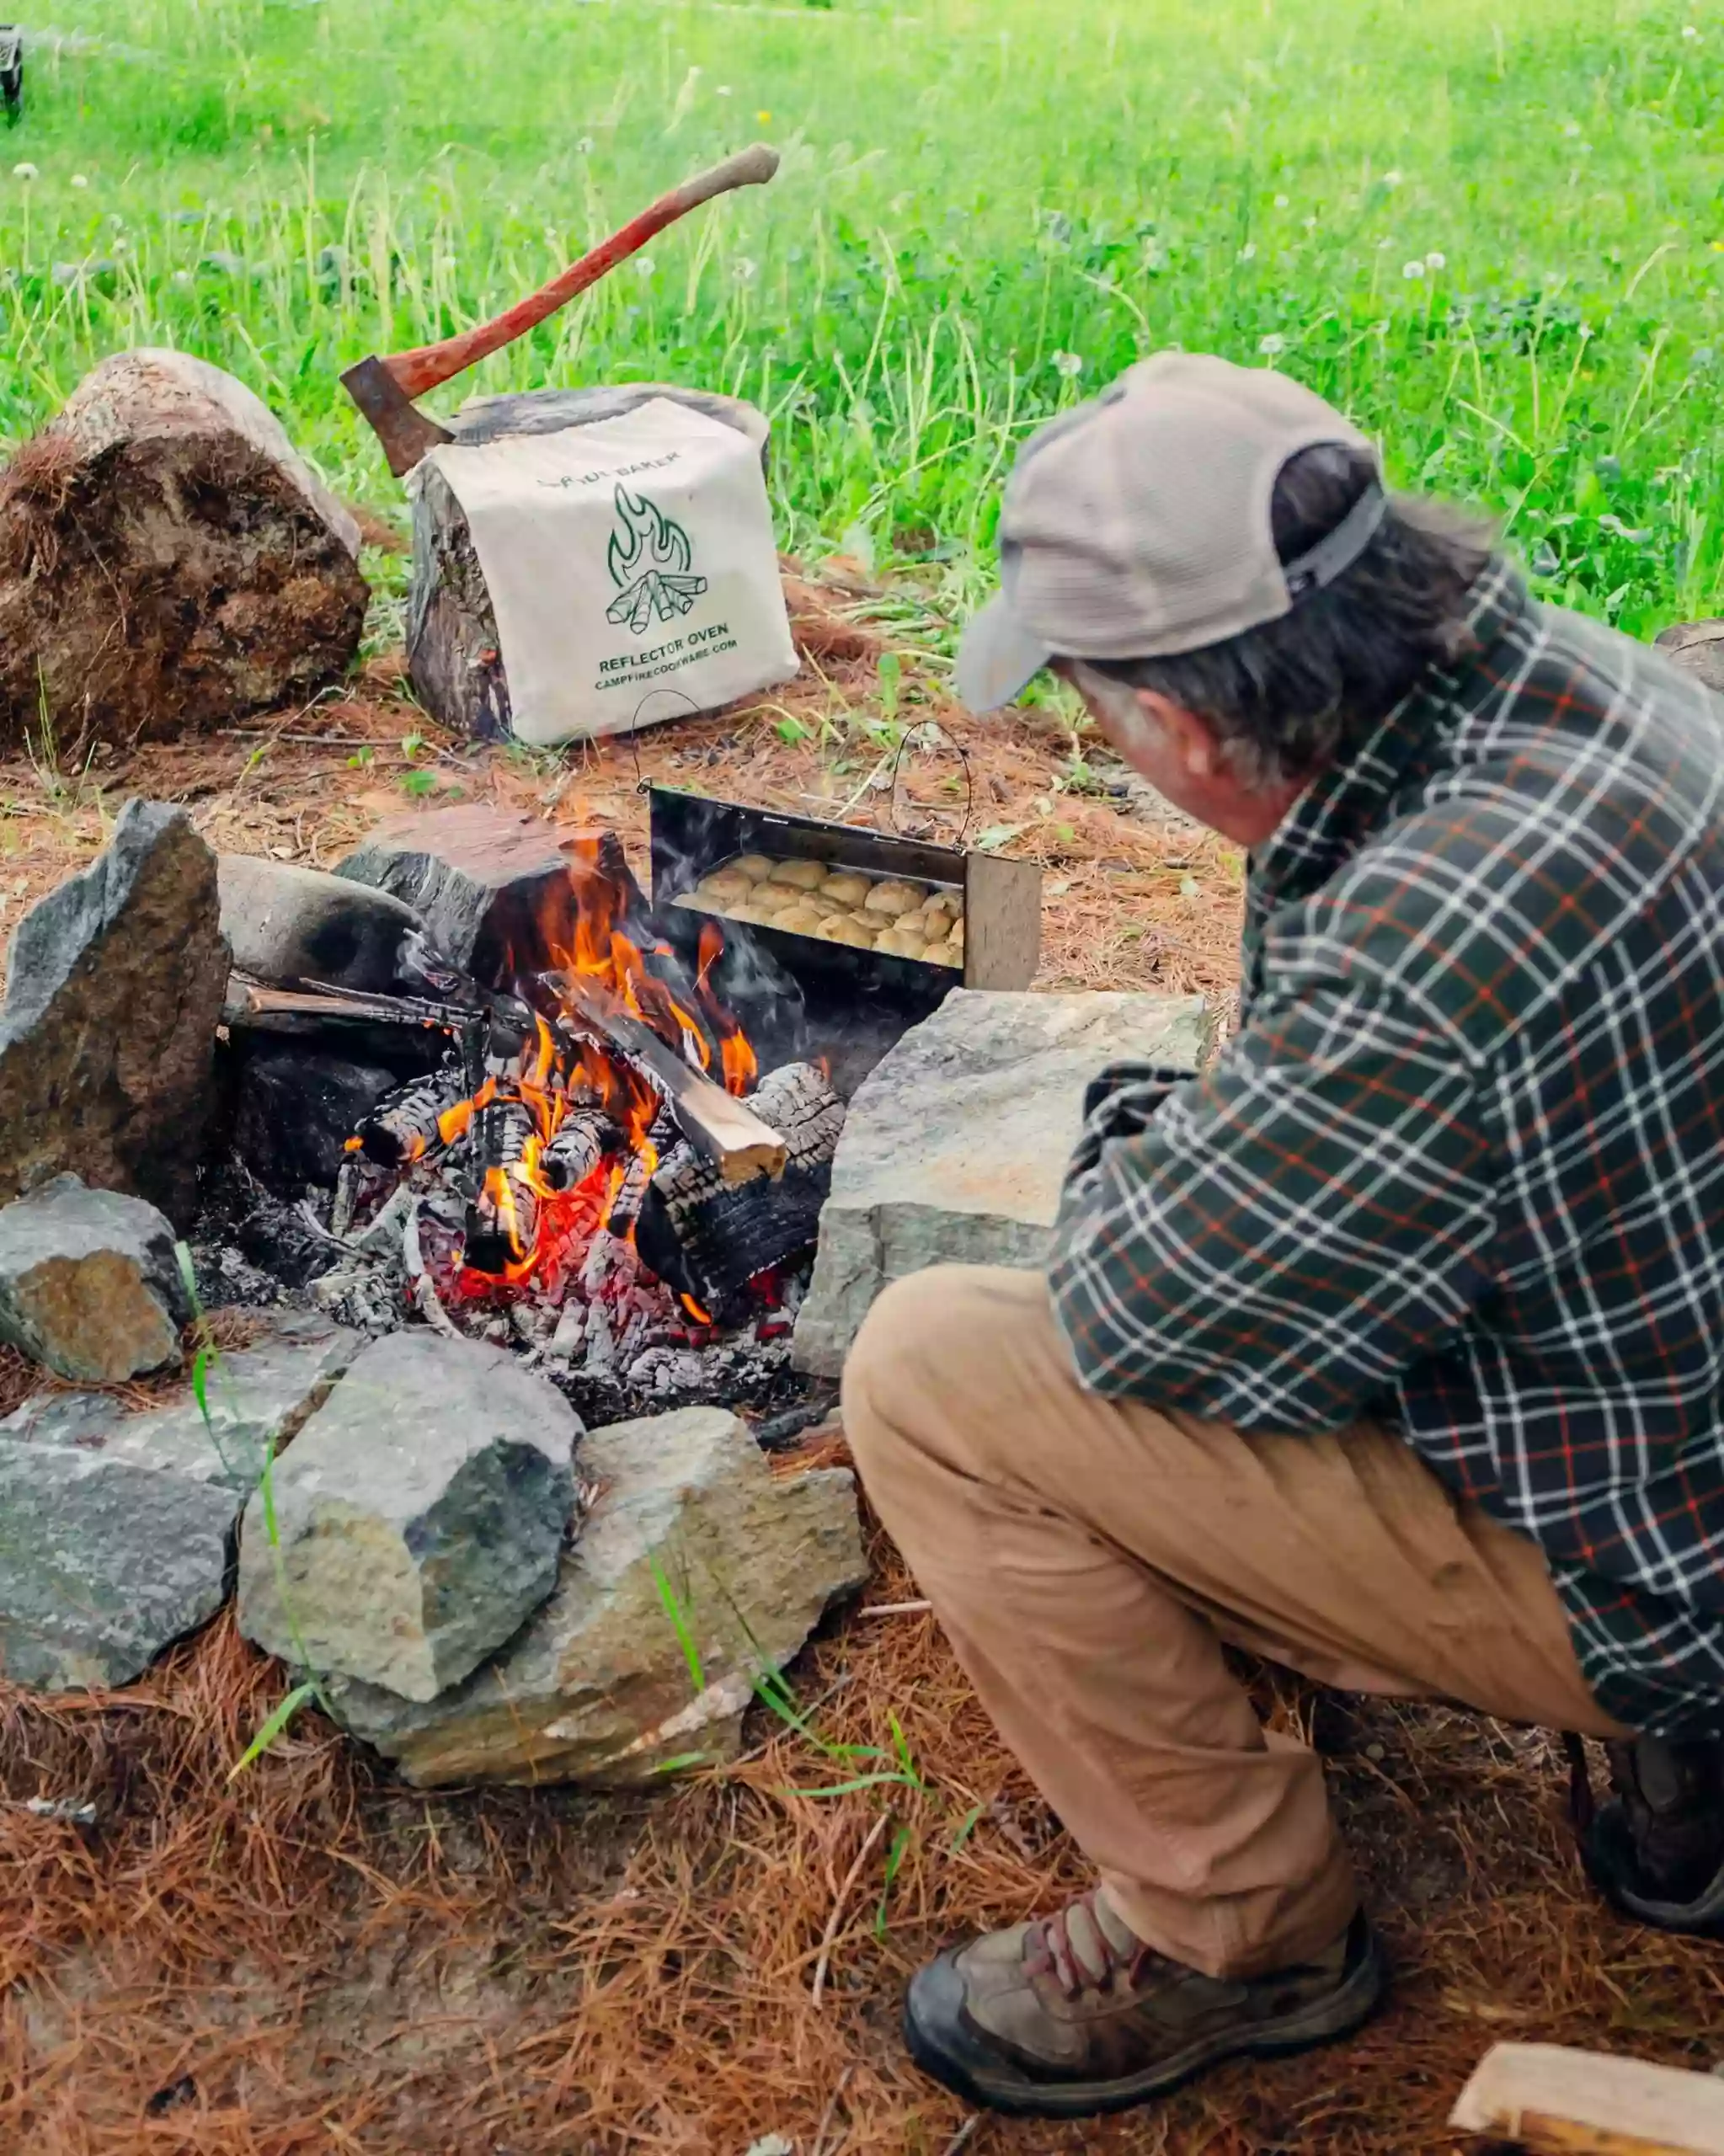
column 1495, row 233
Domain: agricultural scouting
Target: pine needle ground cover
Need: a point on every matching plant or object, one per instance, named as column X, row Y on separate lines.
column 1495, row 235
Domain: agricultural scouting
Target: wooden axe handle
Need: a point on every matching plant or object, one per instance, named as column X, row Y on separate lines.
column 421, row 369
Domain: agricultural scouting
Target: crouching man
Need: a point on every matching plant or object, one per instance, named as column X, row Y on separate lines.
column 1391, row 1349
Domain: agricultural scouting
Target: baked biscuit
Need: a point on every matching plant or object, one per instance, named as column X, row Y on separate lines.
column 892, row 898
column 800, row 875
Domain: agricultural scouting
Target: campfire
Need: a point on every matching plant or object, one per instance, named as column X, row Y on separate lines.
column 595, row 1169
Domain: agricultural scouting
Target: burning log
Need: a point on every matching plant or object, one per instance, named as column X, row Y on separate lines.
column 725, row 1130
column 502, row 1221
column 409, row 1125
column 583, row 1139
column 706, row 1237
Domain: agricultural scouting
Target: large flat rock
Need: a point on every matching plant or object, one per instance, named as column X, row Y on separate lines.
column 956, row 1145
column 421, row 1514
column 696, row 1570
column 114, row 988
column 89, row 1285
column 116, row 1530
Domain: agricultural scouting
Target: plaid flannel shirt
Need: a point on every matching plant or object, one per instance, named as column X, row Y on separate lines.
column 1461, row 1167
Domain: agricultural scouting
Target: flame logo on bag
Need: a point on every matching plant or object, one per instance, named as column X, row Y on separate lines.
column 649, row 558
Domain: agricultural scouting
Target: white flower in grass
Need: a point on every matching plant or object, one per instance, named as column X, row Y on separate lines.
column 1281, row 201
column 25, row 172
column 1272, row 346
column 1571, row 128
column 1067, row 364
column 1391, row 180
column 644, row 265
column 1310, row 224
column 79, row 180
column 1410, row 269
column 1248, row 252
column 720, row 90
column 1689, row 30
column 1436, row 260
column 746, row 270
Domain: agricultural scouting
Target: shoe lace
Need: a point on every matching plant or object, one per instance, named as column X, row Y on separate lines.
column 1051, row 1950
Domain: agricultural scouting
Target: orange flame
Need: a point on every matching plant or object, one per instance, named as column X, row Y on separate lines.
column 581, row 930
column 741, row 1065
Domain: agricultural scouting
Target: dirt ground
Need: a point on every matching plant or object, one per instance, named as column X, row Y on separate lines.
column 311, row 1958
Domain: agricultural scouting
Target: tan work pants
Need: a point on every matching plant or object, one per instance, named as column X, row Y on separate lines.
column 1088, row 1557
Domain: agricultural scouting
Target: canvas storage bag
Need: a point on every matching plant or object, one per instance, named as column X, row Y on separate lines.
column 631, row 567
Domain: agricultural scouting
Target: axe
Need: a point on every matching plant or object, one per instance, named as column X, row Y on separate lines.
column 383, row 389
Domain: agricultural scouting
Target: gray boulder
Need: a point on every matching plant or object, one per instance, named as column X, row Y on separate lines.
column 691, row 1534
column 89, row 1283
column 286, row 923
column 421, row 1513
column 956, row 1145
column 114, row 988
column 116, row 1530
column 255, row 1400
column 103, row 1564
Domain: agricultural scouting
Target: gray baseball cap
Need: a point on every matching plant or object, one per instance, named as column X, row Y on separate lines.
column 1137, row 524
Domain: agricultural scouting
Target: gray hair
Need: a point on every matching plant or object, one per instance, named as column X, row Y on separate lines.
column 1285, row 699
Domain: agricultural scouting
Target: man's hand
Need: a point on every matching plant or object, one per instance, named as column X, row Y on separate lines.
column 1119, row 1103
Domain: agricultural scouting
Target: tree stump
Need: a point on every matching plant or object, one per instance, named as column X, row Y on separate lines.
column 453, row 657
column 167, row 563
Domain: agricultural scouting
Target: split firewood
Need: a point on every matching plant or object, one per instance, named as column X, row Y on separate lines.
column 167, row 562
column 726, row 1130
column 1558, row 2101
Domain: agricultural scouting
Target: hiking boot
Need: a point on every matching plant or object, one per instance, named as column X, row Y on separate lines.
column 1657, row 1852
column 1075, row 2015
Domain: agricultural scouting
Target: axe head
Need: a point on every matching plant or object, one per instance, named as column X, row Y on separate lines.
column 398, row 423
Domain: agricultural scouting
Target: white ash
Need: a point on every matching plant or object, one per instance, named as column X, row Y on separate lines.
column 616, row 1324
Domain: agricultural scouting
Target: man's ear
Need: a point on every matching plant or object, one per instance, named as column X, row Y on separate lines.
column 1196, row 747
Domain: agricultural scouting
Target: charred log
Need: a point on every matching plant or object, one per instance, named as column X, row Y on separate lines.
column 406, row 1127
column 708, row 1237
column 502, row 1219
column 583, row 1138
